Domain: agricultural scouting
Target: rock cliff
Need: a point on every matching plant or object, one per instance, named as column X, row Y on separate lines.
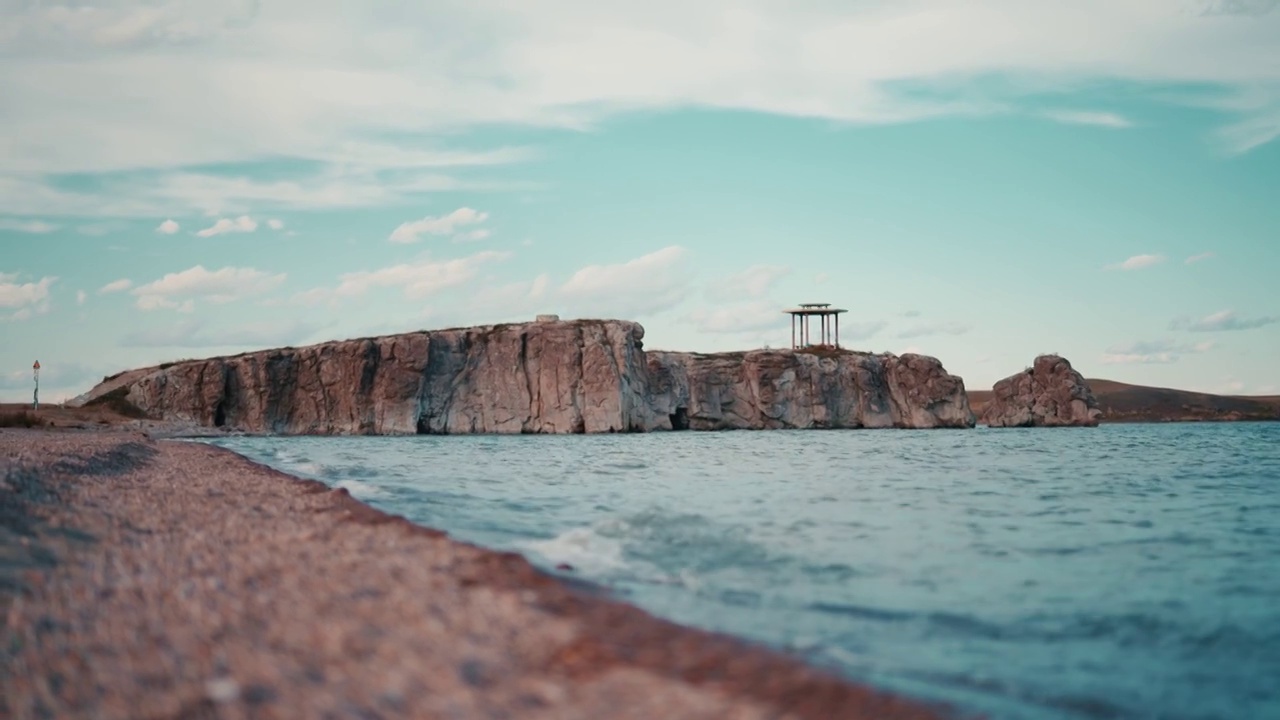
column 586, row 376
column 771, row 389
column 1048, row 394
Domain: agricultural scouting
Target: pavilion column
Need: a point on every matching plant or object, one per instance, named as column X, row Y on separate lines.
column 793, row 332
column 837, row 330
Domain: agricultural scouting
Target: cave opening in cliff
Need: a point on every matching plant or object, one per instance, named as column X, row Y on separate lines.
column 680, row 419
column 220, row 415
column 424, row 426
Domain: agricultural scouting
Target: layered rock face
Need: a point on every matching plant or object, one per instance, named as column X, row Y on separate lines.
column 535, row 378
column 543, row 377
column 1049, row 394
column 770, row 389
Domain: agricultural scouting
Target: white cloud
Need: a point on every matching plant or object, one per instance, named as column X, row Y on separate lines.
column 81, row 296
column 648, row 284
column 168, row 227
column 753, row 282
column 409, row 232
column 539, row 287
column 115, row 86
column 242, row 224
column 338, row 187
column 510, row 302
column 1223, row 320
column 155, row 302
column 275, row 224
column 195, row 333
column 472, row 236
column 313, row 298
column 739, row 318
column 34, row 227
column 1084, row 117
column 417, row 279
column 180, row 290
column 1137, row 262
column 116, row 286
column 24, row 299
column 862, row 330
column 1152, row 352
column 1199, row 258
column 935, row 328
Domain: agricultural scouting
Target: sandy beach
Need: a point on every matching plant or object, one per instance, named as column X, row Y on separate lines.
column 145, row 578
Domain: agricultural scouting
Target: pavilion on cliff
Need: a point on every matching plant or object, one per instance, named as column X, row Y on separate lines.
column 828, row 325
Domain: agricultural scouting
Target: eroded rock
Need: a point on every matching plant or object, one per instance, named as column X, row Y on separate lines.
column 772, row 389
column 585, row 376
column 1048, row 394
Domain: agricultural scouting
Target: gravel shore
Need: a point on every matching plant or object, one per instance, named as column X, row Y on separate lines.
column 167, row 579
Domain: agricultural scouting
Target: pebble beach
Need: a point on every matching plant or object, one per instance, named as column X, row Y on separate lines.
column 145, row 578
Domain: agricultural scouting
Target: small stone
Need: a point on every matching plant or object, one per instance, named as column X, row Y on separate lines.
column 222, row 690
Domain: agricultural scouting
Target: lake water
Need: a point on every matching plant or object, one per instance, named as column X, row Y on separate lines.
column 1127, row 571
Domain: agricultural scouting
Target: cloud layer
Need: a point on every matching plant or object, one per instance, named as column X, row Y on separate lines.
column 1222, row 321
column 118, row 86
column 412, row 232
column 181, row 290
column 1152, row 352
column 1138, row 262
column 22, row 300
column 242, row 224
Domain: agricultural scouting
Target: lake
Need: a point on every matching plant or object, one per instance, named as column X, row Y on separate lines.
column 1125, row 571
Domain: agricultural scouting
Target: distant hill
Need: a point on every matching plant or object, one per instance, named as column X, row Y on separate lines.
column 1137, row 403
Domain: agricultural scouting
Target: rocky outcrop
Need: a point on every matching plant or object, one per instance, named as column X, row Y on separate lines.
column 769, row 389
column 587, row 376
column 1048, row 394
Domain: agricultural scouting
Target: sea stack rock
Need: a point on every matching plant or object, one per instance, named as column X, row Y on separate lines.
column 1048, row 394
column 547, row 376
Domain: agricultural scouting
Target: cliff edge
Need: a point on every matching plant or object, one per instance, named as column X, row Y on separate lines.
column 583, row 376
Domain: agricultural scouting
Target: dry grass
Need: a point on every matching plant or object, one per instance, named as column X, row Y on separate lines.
column 22, row 419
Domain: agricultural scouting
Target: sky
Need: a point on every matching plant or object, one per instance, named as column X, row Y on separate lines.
column 981, row 181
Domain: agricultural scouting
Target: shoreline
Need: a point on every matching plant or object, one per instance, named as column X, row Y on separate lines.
column 172, row 578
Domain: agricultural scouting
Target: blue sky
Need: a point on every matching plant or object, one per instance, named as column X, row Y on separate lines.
column 979, row 181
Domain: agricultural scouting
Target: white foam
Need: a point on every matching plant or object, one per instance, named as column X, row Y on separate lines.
column 362, row 490
column 308, row 468
column 583, row 548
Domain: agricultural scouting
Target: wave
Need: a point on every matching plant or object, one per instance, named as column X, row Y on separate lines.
column 362, row 490
column 582, row 548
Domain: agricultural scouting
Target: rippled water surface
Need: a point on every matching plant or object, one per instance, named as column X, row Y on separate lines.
column 1128, row 571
